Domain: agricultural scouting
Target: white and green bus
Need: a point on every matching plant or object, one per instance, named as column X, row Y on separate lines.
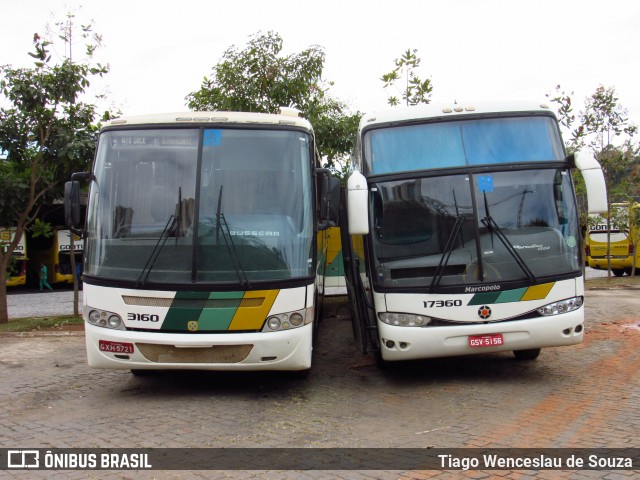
column 464, row 234
column 204, row 232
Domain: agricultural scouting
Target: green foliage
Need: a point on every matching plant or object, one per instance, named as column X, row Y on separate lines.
column 47, row 132
column 415, row 91
column 41, row 229
column 566, row 115
column 603, row 128
column 257, row 78
column 604, row 119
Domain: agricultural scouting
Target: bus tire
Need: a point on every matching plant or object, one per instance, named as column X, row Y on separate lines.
column 618, row 272
column 381, row 363
column 138, row 372
column 530, row 354
column 298, row 374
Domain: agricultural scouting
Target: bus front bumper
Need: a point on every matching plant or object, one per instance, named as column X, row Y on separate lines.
column 119, row 349
column 616, row 263
column 412, row 343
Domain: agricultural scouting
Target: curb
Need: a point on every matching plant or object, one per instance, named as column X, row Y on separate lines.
column 41, row 334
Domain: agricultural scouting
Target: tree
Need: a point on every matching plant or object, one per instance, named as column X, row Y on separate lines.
column 258, row 78
column 46, row 132
column 603, row 128
column 415, row 90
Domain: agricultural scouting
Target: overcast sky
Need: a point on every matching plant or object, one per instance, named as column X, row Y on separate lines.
column 159, row 51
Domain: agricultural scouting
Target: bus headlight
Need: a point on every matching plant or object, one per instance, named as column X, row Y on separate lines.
column 114, row 321
column 296, row 319
column 101, row 318
column 404, row 319
column 563, row 306
column 274, row 323
column 94, row 317
column 288, row 320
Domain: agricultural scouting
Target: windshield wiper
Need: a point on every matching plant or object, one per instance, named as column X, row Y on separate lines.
column 231, row 247
column 155, row 253
column 493, row 227
column 448, row 249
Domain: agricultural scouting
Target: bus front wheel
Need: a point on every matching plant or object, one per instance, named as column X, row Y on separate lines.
column 530, row 354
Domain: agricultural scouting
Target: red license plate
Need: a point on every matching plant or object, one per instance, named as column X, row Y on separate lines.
column 115, row 347
column 490, row 340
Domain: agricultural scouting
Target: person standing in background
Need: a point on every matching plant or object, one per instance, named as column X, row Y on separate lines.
column 43, row 277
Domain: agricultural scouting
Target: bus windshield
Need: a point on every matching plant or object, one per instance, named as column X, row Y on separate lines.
column 474, row 228
column 211, row 206
column 462, row 143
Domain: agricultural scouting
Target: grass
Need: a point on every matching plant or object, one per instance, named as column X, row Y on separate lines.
column 613, row 282
column 38, row 324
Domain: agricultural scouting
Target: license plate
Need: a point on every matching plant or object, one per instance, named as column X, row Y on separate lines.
column 115, row 347
column 490, row 340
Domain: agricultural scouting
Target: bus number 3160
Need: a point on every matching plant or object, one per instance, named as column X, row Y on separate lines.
column 143, row 317
column 442, row 303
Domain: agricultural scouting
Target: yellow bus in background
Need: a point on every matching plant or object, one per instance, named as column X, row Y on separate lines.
column 620, row 249
column 17, row 272
column 55, row 253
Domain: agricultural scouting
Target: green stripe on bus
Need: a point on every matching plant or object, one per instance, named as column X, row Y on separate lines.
column 218, row 318
column 536, row 292
column 188, row 307
column 483, row 298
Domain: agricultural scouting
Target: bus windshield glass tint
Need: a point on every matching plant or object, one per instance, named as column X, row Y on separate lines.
column 473, row 228
column 185, row 205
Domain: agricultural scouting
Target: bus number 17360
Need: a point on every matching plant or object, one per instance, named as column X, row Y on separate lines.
column 442, row 303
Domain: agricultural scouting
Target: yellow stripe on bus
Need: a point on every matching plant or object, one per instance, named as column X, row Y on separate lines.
column 537, row 292
column 252, row 318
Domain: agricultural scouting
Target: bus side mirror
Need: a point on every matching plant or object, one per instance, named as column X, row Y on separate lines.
column 72, row 204
column 334, row 200
column 594, row 181
column 357, row 204
column 328, row 192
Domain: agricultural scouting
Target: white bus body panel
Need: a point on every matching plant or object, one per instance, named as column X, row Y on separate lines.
column 410, row 343
column 277, row 350
column 437, row 342
column 291, row 349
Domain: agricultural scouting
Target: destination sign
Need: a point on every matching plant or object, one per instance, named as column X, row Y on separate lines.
column 138, row 141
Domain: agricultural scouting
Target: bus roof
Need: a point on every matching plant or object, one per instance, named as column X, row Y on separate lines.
column 446, row 111
column 288, row 117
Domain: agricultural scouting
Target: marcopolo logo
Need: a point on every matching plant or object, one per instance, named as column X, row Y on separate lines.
column 482, row 288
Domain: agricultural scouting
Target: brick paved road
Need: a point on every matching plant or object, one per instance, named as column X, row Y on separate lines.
column 581, row 396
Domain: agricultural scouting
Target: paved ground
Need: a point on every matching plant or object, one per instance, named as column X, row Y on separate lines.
column 581, row 396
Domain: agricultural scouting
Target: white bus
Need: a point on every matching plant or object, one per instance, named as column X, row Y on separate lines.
column 464, row 234
column 203, row 235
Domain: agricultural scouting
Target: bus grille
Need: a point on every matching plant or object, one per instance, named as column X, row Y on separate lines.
column 215, row 354
column 195, row 303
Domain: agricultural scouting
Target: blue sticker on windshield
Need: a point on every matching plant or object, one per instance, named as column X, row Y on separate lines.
column 485, row 183
column 212, row 138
